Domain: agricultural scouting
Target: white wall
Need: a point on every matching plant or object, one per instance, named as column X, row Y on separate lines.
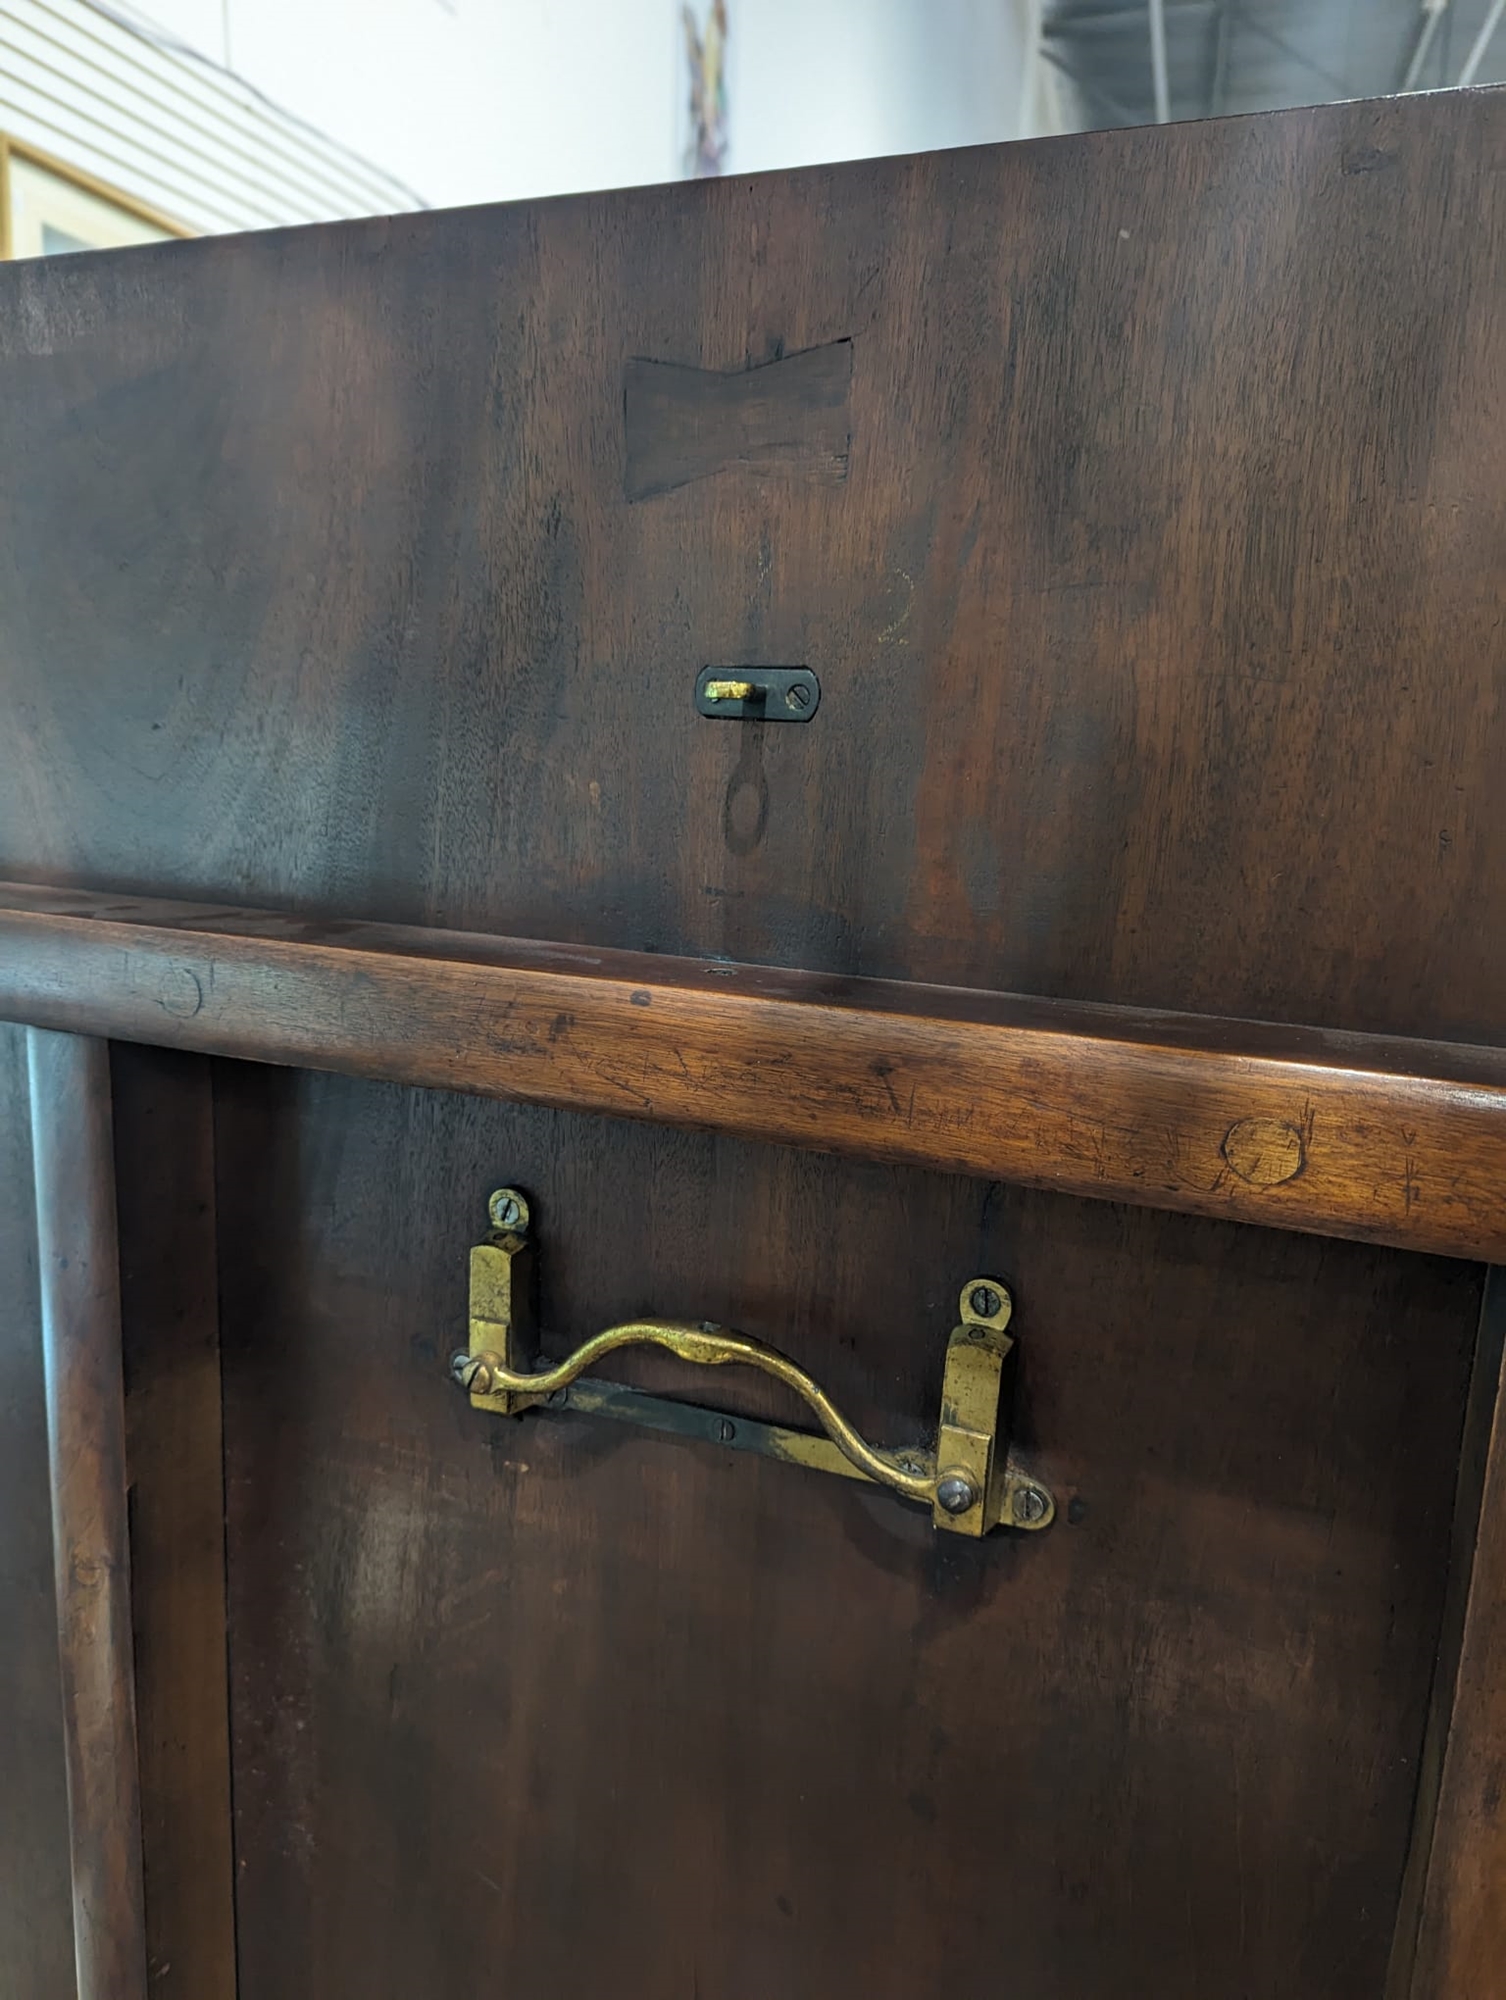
column 190, row 140
column 815, row 80
column 482, row 100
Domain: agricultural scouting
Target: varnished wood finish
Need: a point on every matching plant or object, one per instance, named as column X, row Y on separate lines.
column 36, row 1915
column 790, row 417
column 1406, row 1979
column 1461, row 1923
column 1149, row 562
column 623, row 1714
column 164, row 1149
column 1156, row 619
column 1342, row 1135
column 79, row 1278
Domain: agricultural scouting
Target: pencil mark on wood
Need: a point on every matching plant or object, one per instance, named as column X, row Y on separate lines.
column 182, row 993
column 789, row 415
column 1264, row 1151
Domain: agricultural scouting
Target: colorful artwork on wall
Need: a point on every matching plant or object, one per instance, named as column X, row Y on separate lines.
column 706, row 51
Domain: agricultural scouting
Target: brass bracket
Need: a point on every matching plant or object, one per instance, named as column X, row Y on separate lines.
column 968, row 1478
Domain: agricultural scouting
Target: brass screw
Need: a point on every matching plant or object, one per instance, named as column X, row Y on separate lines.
column 1029, row 1505
column 984, row 1300
column 506, row 1209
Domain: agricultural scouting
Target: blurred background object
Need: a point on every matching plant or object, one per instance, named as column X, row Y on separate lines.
column 123, row 124
column 1142, row 62
column 116, row 129
column 706, row 48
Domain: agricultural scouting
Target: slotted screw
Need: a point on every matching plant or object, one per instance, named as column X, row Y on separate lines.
column 505, row 1209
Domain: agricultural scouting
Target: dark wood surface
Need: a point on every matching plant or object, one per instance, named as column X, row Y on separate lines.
column 1156, row 617
column 596, row 1710
column 164, row 1147
column 1149, row 560
column 79, row 1284
column 1386, row 1140
column 36, row 1913
column 1460, row 1914
column 1407, row 1976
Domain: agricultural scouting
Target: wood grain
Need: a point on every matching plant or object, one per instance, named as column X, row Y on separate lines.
column 36, row 1912
column 1458, row 1914
column 164, row 1152
column 1157, row 621
column 790, row 415
column 1344, row 1135
column 1403, row 1972
column 693, row 1711
column 80, row 1291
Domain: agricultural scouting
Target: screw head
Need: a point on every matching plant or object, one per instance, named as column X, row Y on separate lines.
column 984, row 1300
column 797, row 695
column 726, row 1430
column 955, row 1492
column 507, row 1209
column 1029, row 1505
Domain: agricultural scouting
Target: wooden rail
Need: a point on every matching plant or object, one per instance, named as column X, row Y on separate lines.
column 1340, row 1135
column 79, row 1272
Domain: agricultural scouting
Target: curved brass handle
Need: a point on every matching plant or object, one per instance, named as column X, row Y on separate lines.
column 967, row 1478
column 707, row 1346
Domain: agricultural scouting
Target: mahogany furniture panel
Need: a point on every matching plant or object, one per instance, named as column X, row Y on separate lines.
column 1135, row 499
column 165, row 1174
column 36, row 1915
column 1154, row 602
column 1392, row 1141
column 1460, row 1916
column 612, row 1711
column 72, row 1140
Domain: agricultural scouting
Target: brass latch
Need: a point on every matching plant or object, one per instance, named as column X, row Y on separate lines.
column 966, row 1478
column 757, row 694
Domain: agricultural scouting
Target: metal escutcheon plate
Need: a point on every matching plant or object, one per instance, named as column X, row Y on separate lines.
column 757, row 694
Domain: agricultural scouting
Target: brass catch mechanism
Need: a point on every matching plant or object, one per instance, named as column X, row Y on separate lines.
column 967, row 1478
column 757, row 694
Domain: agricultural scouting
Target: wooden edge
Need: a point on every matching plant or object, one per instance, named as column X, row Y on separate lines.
column 1451, row 1934
column 165, row 1175
column 1340, row 1135
column 80, row 1291
column 1474, row 1458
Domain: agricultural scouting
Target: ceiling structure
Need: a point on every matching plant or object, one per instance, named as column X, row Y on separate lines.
column 1141, row 62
